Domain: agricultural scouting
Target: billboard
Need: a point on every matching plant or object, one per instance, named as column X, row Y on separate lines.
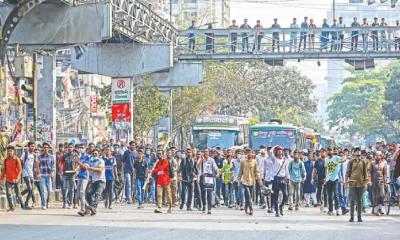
column 121, row 112
column 93, row 104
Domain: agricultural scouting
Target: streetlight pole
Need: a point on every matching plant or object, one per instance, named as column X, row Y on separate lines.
column 333, row 9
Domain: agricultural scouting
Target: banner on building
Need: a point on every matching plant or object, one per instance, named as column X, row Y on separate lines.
column 121, row 112
column 93, row 104
column 120, row 90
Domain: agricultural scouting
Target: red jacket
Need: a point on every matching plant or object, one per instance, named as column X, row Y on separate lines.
column 162, row 172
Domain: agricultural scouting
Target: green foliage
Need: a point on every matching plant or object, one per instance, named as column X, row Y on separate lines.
column 369, row 103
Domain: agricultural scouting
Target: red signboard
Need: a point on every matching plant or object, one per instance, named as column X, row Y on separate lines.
column 121, row 112
column 93, row 104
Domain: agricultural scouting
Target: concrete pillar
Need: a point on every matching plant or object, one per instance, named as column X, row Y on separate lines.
column 46, row 121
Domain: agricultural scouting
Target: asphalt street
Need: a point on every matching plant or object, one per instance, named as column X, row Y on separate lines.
column 128, row 222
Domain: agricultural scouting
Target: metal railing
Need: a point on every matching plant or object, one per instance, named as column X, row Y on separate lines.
column 289, row 43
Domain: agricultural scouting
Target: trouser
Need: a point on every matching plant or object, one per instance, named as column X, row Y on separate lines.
column 28, row 190
column 233, row 44
column 293, row 44
column 294, row 194
column 109, row 193
column 248, row 193
column 331, row 189
column 139, row 190
column 311, row 41
column 167, row 189
column 321, row 191
column 356, row 195
column 68, row 189
column 93, row 194
column 259, row 195
column 257, row 43
column 81, row 190
column 192, row 43
column 397, row 43
column 229, row 194
column 341, row 38
column 303, row 39
column 128, row 186
column 36, row 184
column 15, row 186
column 174, row 191
column 238, row 194
column 365, row 42
column 245, row 43
column 310, row 196
column 197, row 195
column 276, row 188
column 354, row 43
column 375, row 42
column 268, row 198
column 275, row 42
column 378, row 194
column 218, row 189
column 186, row 187
column 384, row 42
column 206, row 194
column 342, row 195
column 45, row 184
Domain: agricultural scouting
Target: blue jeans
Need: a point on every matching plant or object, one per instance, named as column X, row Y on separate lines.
column 239, row 194
column 342, row 196
column 128, row 186
column 229, row 194
column 68, row 185
column 218, row 187
column 139, row 190
column 45, row 183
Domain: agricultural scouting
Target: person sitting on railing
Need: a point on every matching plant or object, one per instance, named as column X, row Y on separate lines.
column 192, row 36
column 259, row 38
column 354, row 35
column 396, row 36
column 365, row 35
column 293, row 35
column 335, row 37
column 233, row 36
column 374, row 35
column 303, row 34
column 324, row 35
column 275, row 35
column 311, row 35
column 384, row 43
column 245, row 36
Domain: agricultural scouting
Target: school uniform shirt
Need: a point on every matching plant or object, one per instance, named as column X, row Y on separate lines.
column 28, row 161
column 96, row 176
column 110, row 164
column 83, row 173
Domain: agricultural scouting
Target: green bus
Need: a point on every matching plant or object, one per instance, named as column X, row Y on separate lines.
column 219, row 131
column 271, row 134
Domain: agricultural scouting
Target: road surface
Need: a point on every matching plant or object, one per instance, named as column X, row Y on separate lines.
column 128, row 222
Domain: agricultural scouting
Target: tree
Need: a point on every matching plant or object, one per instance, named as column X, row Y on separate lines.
column 391, row 109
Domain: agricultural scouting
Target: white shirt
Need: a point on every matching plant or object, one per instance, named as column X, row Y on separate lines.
column 261, row 164
column 268, row 174
column 27, row 166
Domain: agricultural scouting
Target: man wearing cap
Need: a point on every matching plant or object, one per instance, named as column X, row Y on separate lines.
column 280, row 170
column 357, row 177
column 261, row 158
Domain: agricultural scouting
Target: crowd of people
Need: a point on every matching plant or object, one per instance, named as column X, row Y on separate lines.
column 336, row 179
column 305, row 38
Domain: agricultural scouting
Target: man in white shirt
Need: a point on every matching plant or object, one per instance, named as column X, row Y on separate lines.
column 28, row 159
column 268, row 177
column 280, row 169
column 261, row 158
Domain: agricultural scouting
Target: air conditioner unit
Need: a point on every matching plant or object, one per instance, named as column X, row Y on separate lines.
column 23, row 66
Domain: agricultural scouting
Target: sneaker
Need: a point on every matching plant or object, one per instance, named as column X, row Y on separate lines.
column 209, row 212
column 169, row 210
column 44, row 208
column 11, row 209
column 204, row 210
column 129, row 202
column 63, row 206
column 345, row 211
column 181, row 207
column 82, row 213
column 138, row 207
column 381, row 212
column 307, row 205
column 281, row 211
column 75, row 206
column 189, row 209
column 337, row 213
column 264, row 206
column 277, row 215
column 269, row 211
column 296, row 208
column 241, row 208
column 330, row 213
column 69, row 207
column 26, row 207
column 351, row 219
column 359, row 219
column 158, row 210
column 110, row 207
column 290, row 208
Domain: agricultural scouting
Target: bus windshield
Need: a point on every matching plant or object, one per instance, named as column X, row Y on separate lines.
column 214, row 138
column 270, row 138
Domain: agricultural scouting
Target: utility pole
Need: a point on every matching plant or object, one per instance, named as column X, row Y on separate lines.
column 170, row 11
column 333, row 9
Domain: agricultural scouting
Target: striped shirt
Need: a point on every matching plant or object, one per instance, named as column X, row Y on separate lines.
column 47, row 164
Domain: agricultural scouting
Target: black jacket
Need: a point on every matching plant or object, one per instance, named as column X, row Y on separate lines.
column 188, row 169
